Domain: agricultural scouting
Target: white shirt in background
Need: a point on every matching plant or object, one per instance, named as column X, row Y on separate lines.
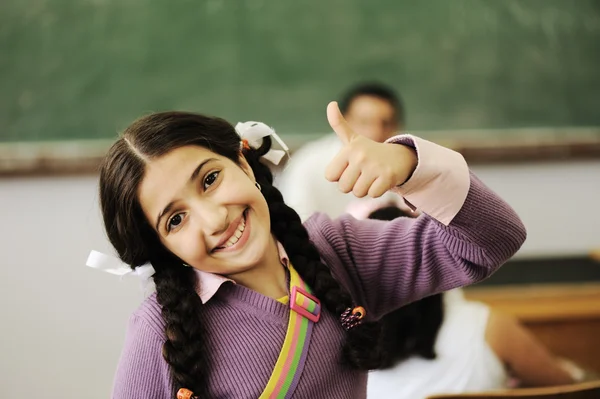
column 464, row 363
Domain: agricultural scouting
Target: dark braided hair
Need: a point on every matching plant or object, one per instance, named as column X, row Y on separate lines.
column 136, row 241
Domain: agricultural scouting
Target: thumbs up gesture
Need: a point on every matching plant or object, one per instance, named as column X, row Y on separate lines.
column 364, row 166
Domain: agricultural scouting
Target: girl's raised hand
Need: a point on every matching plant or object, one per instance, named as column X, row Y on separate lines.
column 364, row 166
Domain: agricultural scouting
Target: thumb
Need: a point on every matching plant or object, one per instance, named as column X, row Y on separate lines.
column 339, row 125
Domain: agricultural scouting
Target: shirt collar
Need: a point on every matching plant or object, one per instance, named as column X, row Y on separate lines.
column 209, row 283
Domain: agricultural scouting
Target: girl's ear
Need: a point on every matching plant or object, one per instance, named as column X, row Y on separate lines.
column 246, row 167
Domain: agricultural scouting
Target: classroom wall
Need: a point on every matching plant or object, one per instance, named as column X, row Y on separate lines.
column 63, row 324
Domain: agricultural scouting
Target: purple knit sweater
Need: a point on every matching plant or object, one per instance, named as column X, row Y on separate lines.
column 384, row 265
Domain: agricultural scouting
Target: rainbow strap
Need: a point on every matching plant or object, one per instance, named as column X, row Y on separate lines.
column 305, row 311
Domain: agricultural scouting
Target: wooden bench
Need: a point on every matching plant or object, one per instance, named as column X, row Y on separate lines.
column 565, row 317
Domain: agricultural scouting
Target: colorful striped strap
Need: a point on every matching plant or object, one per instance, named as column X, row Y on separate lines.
column 305, row 311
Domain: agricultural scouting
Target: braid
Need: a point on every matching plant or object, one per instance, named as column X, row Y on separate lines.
column 359, row 350
column 184, row 348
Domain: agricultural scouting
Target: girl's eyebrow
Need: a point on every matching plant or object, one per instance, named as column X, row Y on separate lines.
column 193, row 176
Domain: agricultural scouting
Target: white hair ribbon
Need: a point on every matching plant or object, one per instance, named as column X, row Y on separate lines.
column 254, row 132
column 113, row 265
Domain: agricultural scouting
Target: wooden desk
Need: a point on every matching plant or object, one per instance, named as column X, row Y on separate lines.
column 565, row 317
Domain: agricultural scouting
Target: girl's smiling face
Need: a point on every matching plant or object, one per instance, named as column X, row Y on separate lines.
column 206, row 210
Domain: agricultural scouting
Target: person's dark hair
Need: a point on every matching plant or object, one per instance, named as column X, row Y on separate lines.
column 137, row 242
column 388, row 213
column 374, row 89
column 411, row 330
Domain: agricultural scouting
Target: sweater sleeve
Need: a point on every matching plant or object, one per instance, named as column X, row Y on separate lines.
column 142, row 372
column 386, row 265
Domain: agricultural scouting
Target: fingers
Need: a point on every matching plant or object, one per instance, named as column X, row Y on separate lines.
column 338, row 123
column 363, row 184
column 337, row 166
column 351, row 178
column 379, row 187
column 348, row 179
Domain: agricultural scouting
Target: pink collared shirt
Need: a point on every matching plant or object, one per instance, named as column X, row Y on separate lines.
column 209, row 283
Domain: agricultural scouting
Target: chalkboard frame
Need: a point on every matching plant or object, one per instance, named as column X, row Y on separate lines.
column 558, row 145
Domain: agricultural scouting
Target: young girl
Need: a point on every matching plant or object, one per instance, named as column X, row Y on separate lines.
column 249, row 302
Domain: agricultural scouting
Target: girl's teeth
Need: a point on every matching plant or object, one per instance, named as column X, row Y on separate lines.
column 236, row 236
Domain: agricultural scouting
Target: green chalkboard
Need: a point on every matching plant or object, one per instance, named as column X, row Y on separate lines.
column 84, row 69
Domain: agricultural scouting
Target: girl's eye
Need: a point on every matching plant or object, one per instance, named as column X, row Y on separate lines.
column 210, row 179
column 175, row 221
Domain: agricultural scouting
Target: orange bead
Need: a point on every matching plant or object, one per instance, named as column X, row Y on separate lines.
column 360, row 310
column 184, row 394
